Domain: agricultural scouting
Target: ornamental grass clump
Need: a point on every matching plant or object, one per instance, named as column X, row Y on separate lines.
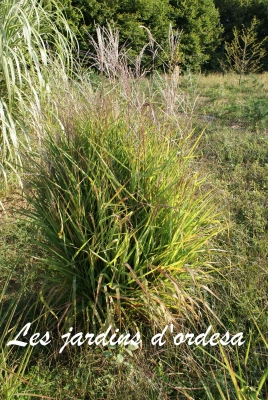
column 127, row 227
column 33, row 51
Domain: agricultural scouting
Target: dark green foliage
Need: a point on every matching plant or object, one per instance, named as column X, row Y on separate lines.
column 206, row 25
column 129, row 17
column 199, row 21
column 235, row 14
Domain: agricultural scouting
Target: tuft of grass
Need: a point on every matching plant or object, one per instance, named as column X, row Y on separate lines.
column 125, row 222
column 236, row 369
column 13, row 314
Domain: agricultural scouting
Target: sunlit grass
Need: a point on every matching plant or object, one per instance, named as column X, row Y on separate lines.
column 32, row 51
column 125, row 222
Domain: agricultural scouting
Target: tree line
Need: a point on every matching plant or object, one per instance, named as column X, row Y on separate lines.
column 206, row 27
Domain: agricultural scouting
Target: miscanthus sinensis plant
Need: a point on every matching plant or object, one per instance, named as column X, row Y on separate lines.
column 119, row 203
column 125, row 223
column 33, row 51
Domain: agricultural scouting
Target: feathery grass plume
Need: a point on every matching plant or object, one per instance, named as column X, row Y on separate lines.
column 108, row 56
column 112, row 59
column 130, row 88
column 125, row 222
column 32, row 50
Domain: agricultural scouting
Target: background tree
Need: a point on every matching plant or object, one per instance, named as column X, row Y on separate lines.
column 236, row 14
column 128, row 17
column 245, row 53
column 200, row 22
column 206, row 26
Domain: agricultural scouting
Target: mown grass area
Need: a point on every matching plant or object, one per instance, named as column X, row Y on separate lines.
column 144, row 204
column 235, row 151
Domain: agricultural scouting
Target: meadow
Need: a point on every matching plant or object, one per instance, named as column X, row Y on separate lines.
column 129, row 200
